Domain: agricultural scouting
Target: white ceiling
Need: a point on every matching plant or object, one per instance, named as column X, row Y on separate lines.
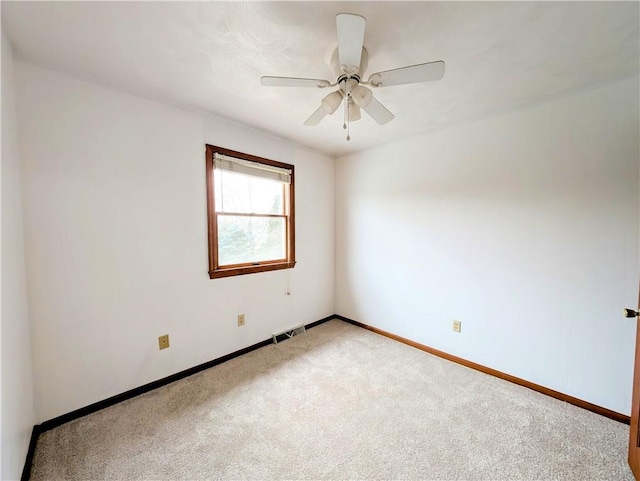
column 209, row 56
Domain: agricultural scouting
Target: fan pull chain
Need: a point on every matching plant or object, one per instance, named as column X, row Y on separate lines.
column 348, row 123
column 346, row 116
column 347, row 112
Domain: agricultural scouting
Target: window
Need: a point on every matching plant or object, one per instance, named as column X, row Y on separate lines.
column 250, row 209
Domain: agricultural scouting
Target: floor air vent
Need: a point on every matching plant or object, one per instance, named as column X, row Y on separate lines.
column 282, row 335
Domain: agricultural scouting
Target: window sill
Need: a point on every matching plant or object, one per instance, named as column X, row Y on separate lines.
column 238, row 271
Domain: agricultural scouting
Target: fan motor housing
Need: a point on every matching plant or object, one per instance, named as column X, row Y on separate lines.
column 347, row 84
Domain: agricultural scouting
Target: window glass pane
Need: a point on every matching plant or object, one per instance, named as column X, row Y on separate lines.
column 250, row 239
column 245, row 194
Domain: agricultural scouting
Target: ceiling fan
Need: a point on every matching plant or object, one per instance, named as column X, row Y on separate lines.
column 349, row 62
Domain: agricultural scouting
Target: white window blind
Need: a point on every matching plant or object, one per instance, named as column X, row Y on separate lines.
column 255, row 169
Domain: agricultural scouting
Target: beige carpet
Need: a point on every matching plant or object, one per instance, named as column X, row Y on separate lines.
column 338, row 402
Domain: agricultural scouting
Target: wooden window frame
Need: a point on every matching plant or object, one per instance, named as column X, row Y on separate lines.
column 215, row 271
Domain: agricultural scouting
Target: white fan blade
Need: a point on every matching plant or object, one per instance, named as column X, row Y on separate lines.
column 316, row 117
column 378, row 112
column 424, row 72
column 293, row 82
column 350, row 40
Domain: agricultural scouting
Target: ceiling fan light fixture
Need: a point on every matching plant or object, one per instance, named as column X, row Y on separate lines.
column 332, row 101
column 361, row 96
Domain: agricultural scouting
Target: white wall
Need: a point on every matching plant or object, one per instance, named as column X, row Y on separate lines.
column 17, row 386
column 116, row 241
column 522, row 226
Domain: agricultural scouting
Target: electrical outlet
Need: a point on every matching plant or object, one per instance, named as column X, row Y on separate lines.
column 240, row 319
column 163, row 341
column 457, row 326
